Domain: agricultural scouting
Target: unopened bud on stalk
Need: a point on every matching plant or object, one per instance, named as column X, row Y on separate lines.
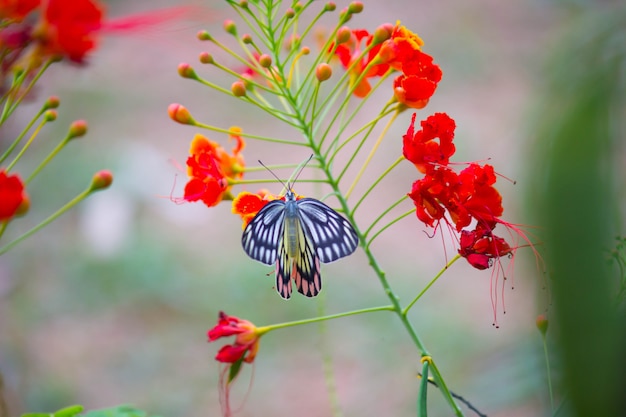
column 23, row 207
column 203, row 35
column 542, row 324
column 382, row 33
column 180, row 114
column 238, row 89
column 186, row 71
column 230, row 27
column 246, row 38
column 265, row 61
column 53, row 102
column 77, row 129
column 290, row 13
column 330, row 7
column 50, row 115
column 355, row 7
column 101, row 180
column 343, row 34
column 323, row 72
column 206, row 58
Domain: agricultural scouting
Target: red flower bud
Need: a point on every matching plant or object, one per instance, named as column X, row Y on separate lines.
column 180, row 114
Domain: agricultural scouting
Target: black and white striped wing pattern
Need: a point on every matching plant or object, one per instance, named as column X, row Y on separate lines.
column 333, row 236
column 261, row 236
column 321, row 235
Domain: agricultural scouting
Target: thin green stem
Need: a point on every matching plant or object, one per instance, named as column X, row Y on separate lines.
column 430, row 284
column 7, row 112
column 371, row 154
column 17, row 140
column 422, row 409
column 444, row 389
column 49, row 158
column 384, row 213
column 272, row 180
column 547, row 357
column 375, row 183
column 265, row 329
column 26, row 145
column 388, row 225
column 249, row 136
column 80, row 197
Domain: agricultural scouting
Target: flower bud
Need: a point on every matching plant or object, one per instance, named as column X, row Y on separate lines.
column 305, row 50
column 77, row 129
column 50, row 115
column 52, row 102
column 542, row 324
column 186, row 71
column 343, row 35
column 101, row 180
column 203, row 35
column 243, row 4
column 238, row 89
column 265, row 61
column 230, row 27
column 180, row 114
column 330, row 7
column 246, row 38
column 382, row 33
column 323, row 72
column 290, row 13
column 206, row 58
column 355, row 7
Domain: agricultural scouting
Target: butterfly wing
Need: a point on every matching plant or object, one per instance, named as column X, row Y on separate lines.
column 261, row 237
column 333, row 237
column 303, row 267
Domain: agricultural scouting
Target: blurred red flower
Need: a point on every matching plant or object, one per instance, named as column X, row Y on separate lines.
column 16, row 10
column 12, row 195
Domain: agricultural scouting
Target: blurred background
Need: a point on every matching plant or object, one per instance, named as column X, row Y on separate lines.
column 110, row 304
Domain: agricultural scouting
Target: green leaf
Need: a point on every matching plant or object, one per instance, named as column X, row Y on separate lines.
column 234, row 370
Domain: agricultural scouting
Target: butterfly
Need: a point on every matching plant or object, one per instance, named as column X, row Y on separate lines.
column 297, row 235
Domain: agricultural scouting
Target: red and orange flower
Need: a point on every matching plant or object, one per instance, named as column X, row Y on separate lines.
column 212, row 170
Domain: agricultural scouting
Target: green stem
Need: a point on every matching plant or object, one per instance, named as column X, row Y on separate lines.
column 246, row 135
column 17, row 140
column 444, row 389
column 439, row 274
column 375, row 183
column 391, row 223
column 50, row 156
column 265, row 329
column 27, row 144
column 545, row 353
column 80, row 197
column 383, row 214
column 423, row 395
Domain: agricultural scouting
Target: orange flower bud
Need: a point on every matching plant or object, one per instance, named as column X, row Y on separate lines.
column 265, row 60
column 330, row 7
column 101, row 180
column 343, row 34
column 52, row 102
column 206, row 58
column 50, row 115
column 77, row 129
column 355, row 7
column 238, row 89
column 203, row 35
column 180, row 114
column 323, row 72
column 230, row 27
column 186, row 71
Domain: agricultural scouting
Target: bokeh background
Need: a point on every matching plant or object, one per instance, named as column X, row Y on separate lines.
column 111, row 303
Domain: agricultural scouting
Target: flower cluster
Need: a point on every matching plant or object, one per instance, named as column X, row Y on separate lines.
column 460, row 199
column 212, row 170
column 389, row 48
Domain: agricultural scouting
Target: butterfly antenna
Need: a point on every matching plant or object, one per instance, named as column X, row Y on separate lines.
column 298, row 171
column 274, row 175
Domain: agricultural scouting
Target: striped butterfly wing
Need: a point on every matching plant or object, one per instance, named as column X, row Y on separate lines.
column 323, row 236
column 261, row 237
column 333, row 236
column 301, row 267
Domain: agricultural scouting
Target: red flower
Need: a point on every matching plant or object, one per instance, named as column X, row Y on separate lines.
column 475, row 197
column 433, row 193
column 349, row 54
column 247, row 205
column 17, row 9
column 400, row 47
column 210, row 168
column 418, row 82
column 421, row 148
column 68, row 28
column 246, row 342
column 12, row 195
column 480, row 246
